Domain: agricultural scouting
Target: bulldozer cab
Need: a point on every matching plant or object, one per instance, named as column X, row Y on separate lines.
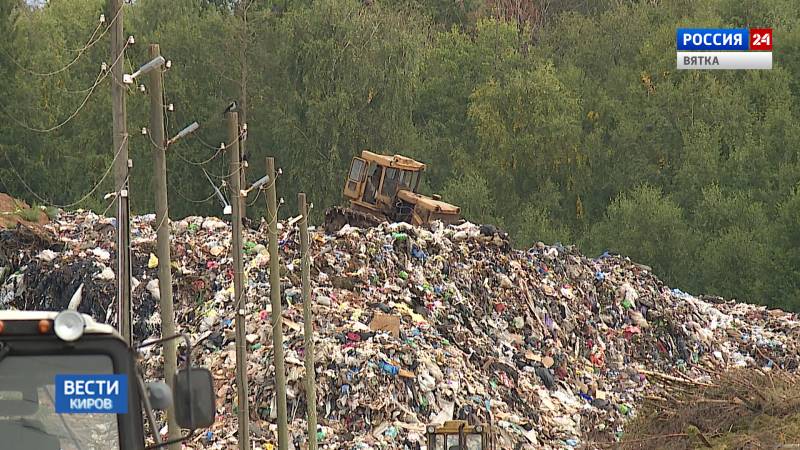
column 375, row 179
column 384, row 188
column 459, row 435
column 70, row 383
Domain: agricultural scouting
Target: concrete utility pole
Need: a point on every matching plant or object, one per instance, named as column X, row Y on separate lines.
column 241, row 329
column 277, row 315
column 162, row 232
column 121, row 168
column 308, row 324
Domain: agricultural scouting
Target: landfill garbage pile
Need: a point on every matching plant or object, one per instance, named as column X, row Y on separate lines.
column 413, row 327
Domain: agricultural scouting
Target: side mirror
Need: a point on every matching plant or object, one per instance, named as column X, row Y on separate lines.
column 194, row 398
column 160, row 395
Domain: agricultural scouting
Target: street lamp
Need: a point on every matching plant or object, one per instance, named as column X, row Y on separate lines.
column 258, row 184
column 184, row 132
column 145, row 69
column 226, row 207
column 254, row 186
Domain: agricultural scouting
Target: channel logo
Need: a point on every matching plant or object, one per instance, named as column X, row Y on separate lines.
column 724, row 48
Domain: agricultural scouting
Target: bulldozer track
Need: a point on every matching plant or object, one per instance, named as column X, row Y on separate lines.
column 336, row 217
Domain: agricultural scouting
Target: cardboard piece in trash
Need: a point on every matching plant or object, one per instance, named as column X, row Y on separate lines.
column 386, row 322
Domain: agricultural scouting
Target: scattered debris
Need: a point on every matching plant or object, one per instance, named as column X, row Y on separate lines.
column 741, row 409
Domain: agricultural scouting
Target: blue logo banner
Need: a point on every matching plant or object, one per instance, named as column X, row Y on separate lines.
column 81, row 394
column 712, row 39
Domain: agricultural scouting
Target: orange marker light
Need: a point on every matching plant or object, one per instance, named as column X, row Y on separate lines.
column 44, row 326
column 2, row 326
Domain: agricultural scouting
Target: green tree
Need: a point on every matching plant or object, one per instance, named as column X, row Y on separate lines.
column 649, row 227
column 59, row 95
column 527, row 127
column 535, row 223
column 474, row 194
column 452, row 68
column 343, row 80
column 8, row 13
column 783, row 284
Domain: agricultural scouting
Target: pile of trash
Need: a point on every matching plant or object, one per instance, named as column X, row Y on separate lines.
column 550, row 348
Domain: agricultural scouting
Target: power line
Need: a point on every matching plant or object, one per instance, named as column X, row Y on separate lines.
column 98, row 80
column 89, row 44
column 78, row 91
column 110, row 24
column 130, row 67
column 181, row 157
column 219, row 150
column 181, row 195
column 258, row 194
column 100, row 77
column 223, row 146
column 68, row 205
column 198, row 163
column 221, row 177
column 153, row 143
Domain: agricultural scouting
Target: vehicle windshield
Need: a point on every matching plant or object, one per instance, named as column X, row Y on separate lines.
column 396, row 179
column 450, row 442
column 28, row 419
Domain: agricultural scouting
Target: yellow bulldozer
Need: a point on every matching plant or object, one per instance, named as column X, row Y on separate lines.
column 384, row 188
column 459, row 435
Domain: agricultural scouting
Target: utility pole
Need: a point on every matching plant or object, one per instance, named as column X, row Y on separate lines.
column 121, row 170
column 308, row 324
column 162, row 233
column 277, row 315
column 243, row 167
column 241, row 330
column 241, row 11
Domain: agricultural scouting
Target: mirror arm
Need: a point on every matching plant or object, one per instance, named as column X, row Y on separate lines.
column 151, row 419
column 183, row 336
column 188, row 342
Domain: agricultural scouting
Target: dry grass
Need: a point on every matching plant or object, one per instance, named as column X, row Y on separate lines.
column 13, row 212
column 742, row 409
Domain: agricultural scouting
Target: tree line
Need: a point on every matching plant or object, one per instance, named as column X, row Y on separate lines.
column 559, row 121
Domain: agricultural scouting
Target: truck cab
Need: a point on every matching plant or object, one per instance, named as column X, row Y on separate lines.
column 70, row 383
